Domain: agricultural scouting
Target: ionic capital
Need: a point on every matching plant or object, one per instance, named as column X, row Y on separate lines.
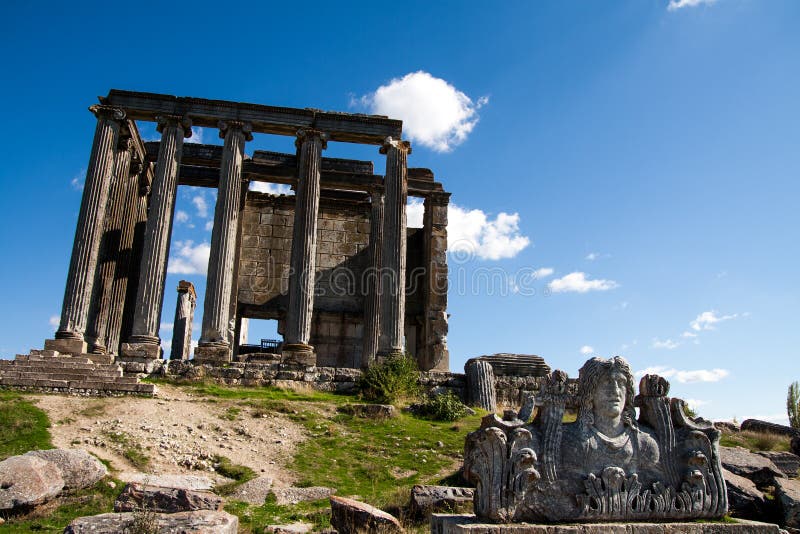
column 245, row 127
column 107, row 112
column 175, row 120
column 310, row 134
column 399, row 144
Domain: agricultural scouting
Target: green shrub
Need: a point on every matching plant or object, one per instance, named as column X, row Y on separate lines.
column 793, row 405
column 393, row 379
column 444, row 407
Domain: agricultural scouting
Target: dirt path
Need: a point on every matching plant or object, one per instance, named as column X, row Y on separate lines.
column 177, row 432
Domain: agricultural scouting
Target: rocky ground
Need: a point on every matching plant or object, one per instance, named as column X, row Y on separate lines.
column 174, row 433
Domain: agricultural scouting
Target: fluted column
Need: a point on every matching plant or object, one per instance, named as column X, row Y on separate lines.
column 393, row 256
column 214, row 341
column 182, row 326
column 144, row 340
column 372, row 298
column 109, row 249
column 88, row 233
column 310, row 144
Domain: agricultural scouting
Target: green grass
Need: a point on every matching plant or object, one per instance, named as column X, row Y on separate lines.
column 756, row 441
column 24, row 426
column 54, row 517
column 239, row 473
column 255, row 518
column 131, row 449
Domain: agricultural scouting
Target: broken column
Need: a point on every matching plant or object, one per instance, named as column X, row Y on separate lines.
column 69, row 337
column 372, row 297
column 310, row 144
column 480, row 385
column 182, row 326
column 144, row 342
column 435, row 355
column 217, row 321
column 393, row 255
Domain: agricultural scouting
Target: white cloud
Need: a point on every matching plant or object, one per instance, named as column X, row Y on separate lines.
column 166, row 327
column 209, row 226
column 272, row 189
column 688, row 334
column 181, row 216
column 679, row 4
column 694, row 404
column 665, row 344
column 707, row 320
column 78, row 180
column 577, row 283
column 473, row 232
column 200, row 205
column 189, row 258
column 197, row 135
column 586, row 350
column 54, row 321
column 544, row 272
column 685, row 377
column 434, row 113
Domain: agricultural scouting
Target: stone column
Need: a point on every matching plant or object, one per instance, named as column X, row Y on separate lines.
column 144, row 341
column 435, row 355
column 69, row 337
column 480, row 385
column 109, row 255
column 393, row 256
column 136, row 253
column 310, row 144
column 372, row 297
column 214, row 341
column 182, row 326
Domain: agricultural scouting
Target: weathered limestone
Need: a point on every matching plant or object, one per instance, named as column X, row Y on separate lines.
column 372, row 298
column 136, row 496
column 197, row 522
column 787, row 462
column 144, row 341
column 393, row 255
column 81, row 275
column 218, row 325
column 349, row 516
column 480, row 385
column 78, row 468
column 310, row 144
column 26, row 481
column 182, row 325
column 606, row 466
column 747, row 464
column 436, row 356
column 427, row 500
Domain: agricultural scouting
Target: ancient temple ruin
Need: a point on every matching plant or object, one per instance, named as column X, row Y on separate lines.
column 334, row 263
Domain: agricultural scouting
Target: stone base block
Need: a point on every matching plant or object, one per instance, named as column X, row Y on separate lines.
column 212, row 353
column 140, row 350
column 451, row 524
column 66, row 346
column 300, row 354
column 137, row 365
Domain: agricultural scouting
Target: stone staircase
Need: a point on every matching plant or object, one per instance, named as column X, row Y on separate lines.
column 85, row 374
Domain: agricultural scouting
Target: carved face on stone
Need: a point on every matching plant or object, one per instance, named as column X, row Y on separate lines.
column 605, row 389
column 609, row 396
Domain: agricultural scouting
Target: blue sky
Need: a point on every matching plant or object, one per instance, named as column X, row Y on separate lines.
column 648, row 155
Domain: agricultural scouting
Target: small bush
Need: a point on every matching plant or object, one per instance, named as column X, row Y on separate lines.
column 444, row 407
column 393, row 379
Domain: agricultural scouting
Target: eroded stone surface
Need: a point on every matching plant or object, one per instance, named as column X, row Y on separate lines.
column 787, row 462
column 78, row 468
column 199, row 522
column 742, row 462
column 426, row 500
column 27, row 481
column 788, row 493
column 369, row 411
column 136, row 497
column 744, row 499
column 253, row 491
column 296, row 495
column 349, row 516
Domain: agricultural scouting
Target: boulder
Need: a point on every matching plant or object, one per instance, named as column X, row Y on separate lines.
column 744, row 499
column 199, row 522
column 253, row 491
column 78, row 468
column 291, row 495
column 756, row 425
column 190, row 482
column 26, row 481
column 726, row 426
column 135, row 497
column 788, row 494
column 369, row 411
column 427, row 500
column 785, row 461
column 744, row 463
column 352, row 517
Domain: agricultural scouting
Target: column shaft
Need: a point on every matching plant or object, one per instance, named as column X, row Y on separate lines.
column 372, row 297
column 144, row 340
column 88, row 233
column 393, row 257
column 182, row 326
column 217, row 327
column 311, row 143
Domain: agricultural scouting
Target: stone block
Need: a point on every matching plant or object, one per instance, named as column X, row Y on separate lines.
column 27, row 481
column 427, row 500
column 744, row 463
column 788, row 493
column 165, row 500
column 198, row 522
column 786, row 461
column 212, row 354
column 66, row 346
column 349, row 516
column 140, row 350
column 369, row 411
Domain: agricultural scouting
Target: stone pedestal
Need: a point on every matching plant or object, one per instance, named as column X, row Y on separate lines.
column 453, row 524
column 393, row 256
column 212, row 353
column 298, row 353
column 80, row 279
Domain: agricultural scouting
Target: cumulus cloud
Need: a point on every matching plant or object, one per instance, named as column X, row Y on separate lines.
column 586, row 350
column 209, row 226
column 543, row 272
column 272, row 189
column 474, row 233
column 188, row 258
column 181, row 216
column 688, row 334
column 197, row 135
column 54, row 321
column 578, row 283
column 685, row 377
column 707, row 320
column 200, row 205
column 665, row 344
column 694, row 404
column 434, row 113
column 674, row 5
